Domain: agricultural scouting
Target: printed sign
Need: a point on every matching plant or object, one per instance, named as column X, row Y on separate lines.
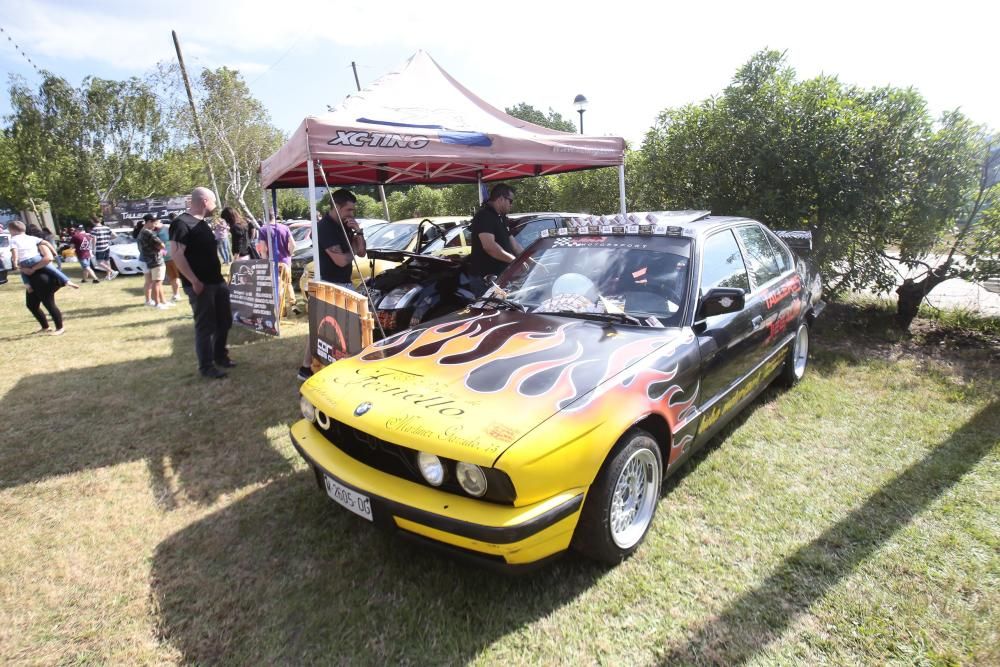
column 334, row 333
column 253, row 295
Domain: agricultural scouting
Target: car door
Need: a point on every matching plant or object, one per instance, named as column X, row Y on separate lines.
column 725, row 341
column 773, row 286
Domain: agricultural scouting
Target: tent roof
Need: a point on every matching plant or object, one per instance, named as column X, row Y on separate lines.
column 419, row 125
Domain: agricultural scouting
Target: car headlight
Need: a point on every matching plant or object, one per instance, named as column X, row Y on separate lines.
column 431, row 468
column 471, row 478
column 308, row 409
column 400, row 297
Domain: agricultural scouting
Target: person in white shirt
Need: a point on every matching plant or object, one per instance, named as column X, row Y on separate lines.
column 25, row 254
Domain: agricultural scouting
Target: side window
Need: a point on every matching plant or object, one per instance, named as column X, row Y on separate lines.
column 455, row 241
column 785, row 261
column 533, row 230
column 761, row 257
column 722, row 263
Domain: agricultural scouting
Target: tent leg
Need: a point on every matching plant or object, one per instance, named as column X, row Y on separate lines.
column 621, row 188
column 480, row 195
column 385, row 204
column 312, row 215
column 274, row 203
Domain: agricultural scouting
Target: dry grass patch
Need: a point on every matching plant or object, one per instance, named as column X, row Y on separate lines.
column 151, row 517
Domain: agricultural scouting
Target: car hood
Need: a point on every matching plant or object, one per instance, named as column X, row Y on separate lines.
column 470, row 387
column 122, row 249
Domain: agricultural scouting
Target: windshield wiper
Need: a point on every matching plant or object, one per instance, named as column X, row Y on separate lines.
column 624, row 318
column 507, row 303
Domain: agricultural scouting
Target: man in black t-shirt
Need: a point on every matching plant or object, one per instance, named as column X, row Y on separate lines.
column 493, row 248
column 336, row 251
column 193, row 249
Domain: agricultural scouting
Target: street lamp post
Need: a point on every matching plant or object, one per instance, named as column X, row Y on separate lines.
column 580, row 102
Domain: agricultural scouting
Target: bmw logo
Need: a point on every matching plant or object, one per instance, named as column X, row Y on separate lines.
column 362, row 409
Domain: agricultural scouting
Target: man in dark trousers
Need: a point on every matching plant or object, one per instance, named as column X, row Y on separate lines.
column 493, row 248
column 192, row 246
column 336, row 252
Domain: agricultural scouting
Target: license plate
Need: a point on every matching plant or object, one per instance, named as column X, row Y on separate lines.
column 358, row 503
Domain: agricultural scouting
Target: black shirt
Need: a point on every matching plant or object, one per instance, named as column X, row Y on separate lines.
column 332, row 234
column 241, row 240
column 488, row 221
column 200, row 250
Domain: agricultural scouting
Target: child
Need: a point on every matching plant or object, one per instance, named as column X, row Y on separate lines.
column 24, row 253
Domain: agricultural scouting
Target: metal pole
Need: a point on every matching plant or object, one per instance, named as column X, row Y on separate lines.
column 312, row 212
column 356, row 82
column 580, row 111
column 621, row 187
column 385, row 202
column 194, row 113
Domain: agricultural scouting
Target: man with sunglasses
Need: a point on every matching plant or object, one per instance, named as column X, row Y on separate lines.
column 493, row 248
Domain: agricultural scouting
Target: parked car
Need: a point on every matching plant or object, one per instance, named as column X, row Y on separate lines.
column 547, row 414
column 419, row 289
column 410, row 235
column 5, row 256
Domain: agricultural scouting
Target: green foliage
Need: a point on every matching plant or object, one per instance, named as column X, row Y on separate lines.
column 553, row 120
column 369, row 207
column 865, row 170
column 292, row 205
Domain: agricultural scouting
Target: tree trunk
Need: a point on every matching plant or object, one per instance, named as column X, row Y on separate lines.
column 911, row 295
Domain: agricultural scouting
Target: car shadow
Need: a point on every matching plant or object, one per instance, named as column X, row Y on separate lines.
column 285, row 577
column 751, row 622
column 199, row 439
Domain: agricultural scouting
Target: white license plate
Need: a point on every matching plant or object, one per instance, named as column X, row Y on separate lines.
column 352, row 500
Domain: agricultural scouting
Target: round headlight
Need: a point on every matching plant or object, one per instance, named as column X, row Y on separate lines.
column 471, row 478
column 308, row 410
column 431, row 468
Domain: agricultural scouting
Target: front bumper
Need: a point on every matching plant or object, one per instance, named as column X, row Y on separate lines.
column 487, row 532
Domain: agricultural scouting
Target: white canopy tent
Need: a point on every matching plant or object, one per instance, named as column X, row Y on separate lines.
column 420, row 125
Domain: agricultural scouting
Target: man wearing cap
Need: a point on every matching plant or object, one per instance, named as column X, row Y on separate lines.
column 192, row 246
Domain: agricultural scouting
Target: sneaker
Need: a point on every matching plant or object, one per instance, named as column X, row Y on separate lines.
column 226, row 363
column 58, row 332
column 113, row 275
column 212, row 373
column 304, row 373
column 95, row 281
column 151, row 303
column 164, row 306
column 175, row 298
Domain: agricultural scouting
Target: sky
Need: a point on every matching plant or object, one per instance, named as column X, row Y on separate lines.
column 630, row 59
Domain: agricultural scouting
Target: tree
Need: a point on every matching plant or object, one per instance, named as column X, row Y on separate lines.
column 865, row 170
column 292, row 205
column 553, row 121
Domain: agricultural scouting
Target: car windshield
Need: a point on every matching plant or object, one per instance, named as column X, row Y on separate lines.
column 301, row 233
column 645, row 277
column 394, row 236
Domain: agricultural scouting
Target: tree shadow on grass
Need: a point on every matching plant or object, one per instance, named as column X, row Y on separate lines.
column 200, row 439
column 760, row 616
column 285, row 577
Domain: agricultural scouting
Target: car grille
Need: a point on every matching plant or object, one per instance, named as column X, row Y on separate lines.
column 401, row 461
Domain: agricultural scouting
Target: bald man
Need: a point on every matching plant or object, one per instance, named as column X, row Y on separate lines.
column 193, row 248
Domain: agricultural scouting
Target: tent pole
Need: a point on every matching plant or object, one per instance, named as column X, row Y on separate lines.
column 312, row 215
column 621, row 187
column 385, row 204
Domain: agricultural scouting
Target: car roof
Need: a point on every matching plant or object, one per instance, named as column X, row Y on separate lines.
column 436, row 219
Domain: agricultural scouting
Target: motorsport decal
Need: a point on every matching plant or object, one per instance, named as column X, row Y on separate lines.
column 378, row 140
column 393, row 383
column 787, row 288
column 334, row 333
column 748, row 387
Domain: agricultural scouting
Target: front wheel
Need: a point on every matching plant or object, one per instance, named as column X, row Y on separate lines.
column 622, row 500
column 797, row 358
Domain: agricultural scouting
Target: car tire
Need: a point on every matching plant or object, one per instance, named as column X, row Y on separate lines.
column 622, row 501
column 797, row 358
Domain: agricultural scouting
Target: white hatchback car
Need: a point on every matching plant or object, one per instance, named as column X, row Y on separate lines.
column 125, row 255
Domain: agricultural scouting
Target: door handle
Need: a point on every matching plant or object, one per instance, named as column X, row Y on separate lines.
column 757, row 322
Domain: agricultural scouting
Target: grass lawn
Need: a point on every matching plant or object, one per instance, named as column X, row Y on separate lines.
column 148, row 516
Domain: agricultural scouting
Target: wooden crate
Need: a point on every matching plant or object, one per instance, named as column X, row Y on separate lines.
column 344, row 300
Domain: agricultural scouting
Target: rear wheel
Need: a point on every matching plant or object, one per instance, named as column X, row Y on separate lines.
column 622, row 501
column 797, row 358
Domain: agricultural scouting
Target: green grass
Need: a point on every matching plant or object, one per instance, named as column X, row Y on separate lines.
column 151, row 517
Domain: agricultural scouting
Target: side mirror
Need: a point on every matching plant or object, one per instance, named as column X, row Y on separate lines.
column 721, row 300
